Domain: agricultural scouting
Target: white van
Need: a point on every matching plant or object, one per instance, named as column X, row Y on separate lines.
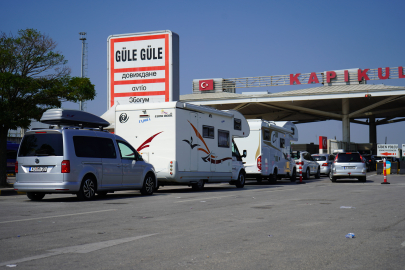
column 78, row 157
column 269, row 150
column 187, row 144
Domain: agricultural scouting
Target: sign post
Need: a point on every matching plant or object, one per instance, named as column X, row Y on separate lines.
column 143, row 68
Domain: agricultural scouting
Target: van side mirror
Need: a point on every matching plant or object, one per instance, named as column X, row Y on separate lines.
column 244, row 153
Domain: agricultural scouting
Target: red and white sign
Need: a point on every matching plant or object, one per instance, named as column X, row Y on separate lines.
column 388, row 150
column 323, row 143
column 143, row 68
column 206, row 85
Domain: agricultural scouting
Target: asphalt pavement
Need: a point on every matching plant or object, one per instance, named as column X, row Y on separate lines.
column 262, row 226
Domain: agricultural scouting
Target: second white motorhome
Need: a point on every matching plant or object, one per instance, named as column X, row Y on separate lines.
column 187, row 144
column 269, row 150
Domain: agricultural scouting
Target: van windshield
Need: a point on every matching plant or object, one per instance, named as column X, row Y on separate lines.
column 41, row 144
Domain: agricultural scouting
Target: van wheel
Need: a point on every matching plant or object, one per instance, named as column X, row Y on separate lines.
column 273, row 178
column 87, row 189
column 240, row 183
column 307, row 174
column 318, row 174
column 198, row 186
column 293, row 176
column 35, row 196
column 148, row 185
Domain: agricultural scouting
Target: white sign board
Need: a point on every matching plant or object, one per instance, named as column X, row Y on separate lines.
column 388, row 150
column 143, row 68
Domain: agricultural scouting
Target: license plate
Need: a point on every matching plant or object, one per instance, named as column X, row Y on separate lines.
column 38, row 169
column 349, row 167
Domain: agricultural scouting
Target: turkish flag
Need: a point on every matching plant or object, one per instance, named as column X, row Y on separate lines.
column 206, row 85
column 323, row 142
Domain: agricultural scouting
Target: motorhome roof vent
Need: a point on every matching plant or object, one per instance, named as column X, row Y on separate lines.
column 64, row 117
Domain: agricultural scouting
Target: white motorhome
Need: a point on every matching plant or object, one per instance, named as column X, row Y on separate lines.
column 188, row 144
column 269, row 150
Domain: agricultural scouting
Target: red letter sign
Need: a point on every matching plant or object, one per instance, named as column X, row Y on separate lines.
column 362, row 74
column 400, row 73
column 313, row 78
column 330, row 75
column 294, row 79
column 387, row 73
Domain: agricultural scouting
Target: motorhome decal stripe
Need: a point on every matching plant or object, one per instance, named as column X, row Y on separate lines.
column 143, row 146
column 199, row 136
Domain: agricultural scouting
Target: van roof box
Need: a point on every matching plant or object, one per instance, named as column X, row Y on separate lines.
column 64, row 117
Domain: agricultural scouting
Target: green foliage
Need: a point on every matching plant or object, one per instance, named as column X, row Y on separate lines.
column 33, row 78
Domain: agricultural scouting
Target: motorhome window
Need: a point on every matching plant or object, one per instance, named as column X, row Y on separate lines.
column 208, row 132
column 223, row 138
column 266, row 135
column 282, row 143
column 237, row 124
column 42, row 144
column 127, row 152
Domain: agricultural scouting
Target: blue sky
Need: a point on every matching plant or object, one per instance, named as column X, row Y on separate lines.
column 229, row 39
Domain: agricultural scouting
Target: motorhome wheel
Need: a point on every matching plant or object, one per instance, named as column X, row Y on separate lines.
column 198, row 186
column 240, row 183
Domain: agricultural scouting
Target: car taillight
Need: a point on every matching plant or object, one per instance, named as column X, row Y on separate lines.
column 325, row 164
column 16, row 167
column 259, row 163
column 336, row 158
column 362, row 159
column 65, row 168
column 300, row 163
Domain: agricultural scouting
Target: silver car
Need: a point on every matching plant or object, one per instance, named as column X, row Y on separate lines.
column 308, row 165
column 81, row 161
column 325, row 161
column 348, row 165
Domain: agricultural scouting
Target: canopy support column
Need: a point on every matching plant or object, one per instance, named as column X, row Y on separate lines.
column 346, row 122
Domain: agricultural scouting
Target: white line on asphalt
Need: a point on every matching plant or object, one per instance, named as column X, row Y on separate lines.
column 78, row 249
column 67, row 215
column 199, row 199
column 403, row 244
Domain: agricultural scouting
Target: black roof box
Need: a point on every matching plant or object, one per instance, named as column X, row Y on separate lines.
column 64, row 117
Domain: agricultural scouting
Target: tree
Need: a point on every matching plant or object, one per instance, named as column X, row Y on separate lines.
column 33, row 78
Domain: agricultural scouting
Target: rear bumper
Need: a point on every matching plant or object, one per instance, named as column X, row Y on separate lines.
column 65, row 187
column 347, row 175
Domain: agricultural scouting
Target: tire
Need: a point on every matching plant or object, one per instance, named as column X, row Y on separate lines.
column 273, row 177
column 293, row 176
column 240, row 183
column 88, row 189
column 148, row 185
column 259, row 179
column 306, row 175
column 35, row 196
column 363, row 179
column 318, row 173
column 198, row 186
column 331, row 178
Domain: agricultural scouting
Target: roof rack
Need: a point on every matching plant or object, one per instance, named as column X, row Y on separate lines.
column 80, row 119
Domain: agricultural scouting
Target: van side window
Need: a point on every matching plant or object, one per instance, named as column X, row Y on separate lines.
column 128, row 152
column 223, row 138
column 94, row 147
column 208, row 132
column 266, row 135
column 237, row 124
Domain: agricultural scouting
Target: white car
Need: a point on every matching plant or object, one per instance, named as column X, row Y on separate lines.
column 325, row 161
column 308, row 165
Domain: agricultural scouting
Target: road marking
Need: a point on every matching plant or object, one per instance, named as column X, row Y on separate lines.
column 67, row 215
column 199, row 199
column 78, row 249
column 403, row 244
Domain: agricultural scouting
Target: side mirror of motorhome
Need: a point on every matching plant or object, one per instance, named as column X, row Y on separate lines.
column 244, row 153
